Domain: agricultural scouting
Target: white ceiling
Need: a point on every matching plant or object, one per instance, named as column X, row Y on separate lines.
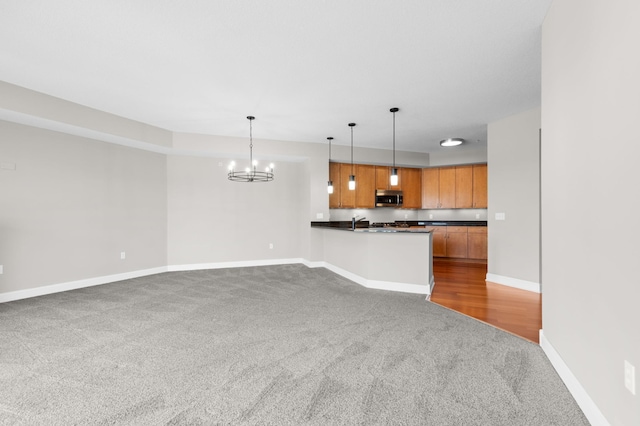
column 304, row 68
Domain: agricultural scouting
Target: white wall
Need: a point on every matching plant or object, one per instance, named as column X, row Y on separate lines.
column 464, row 154
column 514, row 189
column 212, row 219
column 72, row 205
column 28, row 107
column 590, row 196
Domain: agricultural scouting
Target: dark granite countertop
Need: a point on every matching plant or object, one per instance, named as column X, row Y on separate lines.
column 340, row 224
column 400, row 225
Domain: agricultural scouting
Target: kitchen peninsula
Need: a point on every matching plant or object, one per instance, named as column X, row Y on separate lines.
column 398, row 259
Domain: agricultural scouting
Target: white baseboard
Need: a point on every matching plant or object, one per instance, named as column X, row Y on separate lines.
column 381, row 285
column 238, row 264
column 73, row 285
column 586, row 404
column 314, row 264
column 514, row 282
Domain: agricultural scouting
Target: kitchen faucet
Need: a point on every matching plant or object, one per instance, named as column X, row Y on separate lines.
column 354, row 220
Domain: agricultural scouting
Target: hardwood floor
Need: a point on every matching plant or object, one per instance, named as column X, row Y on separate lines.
column 461, row 286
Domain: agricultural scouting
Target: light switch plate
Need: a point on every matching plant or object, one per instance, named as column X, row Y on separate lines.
column 1, row 269
column 501, row 216
column 319, row 215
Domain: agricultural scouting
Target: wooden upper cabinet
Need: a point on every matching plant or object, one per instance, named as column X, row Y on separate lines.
column 447, row 187
column 450, row 187
column 464, row 187
column 430, row 188
column 347, row 196
column 382, row 177
column 334, row 176
column 364, row 194
column 365, row 186
column 454, row 187
column 480, row 199
column 411, row 180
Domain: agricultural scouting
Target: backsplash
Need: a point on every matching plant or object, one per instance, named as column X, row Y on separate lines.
column 392, row 215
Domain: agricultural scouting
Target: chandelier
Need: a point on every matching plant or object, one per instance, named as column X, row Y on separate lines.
column 251, row 173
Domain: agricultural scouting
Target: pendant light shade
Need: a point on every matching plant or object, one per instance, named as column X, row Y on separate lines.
column 394, row 177
column 394, row 171
column 352, row 177
column 329, row 182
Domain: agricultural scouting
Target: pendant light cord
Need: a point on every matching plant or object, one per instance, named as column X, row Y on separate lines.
column 394, row 139
column 251, row 142
column 351, row 149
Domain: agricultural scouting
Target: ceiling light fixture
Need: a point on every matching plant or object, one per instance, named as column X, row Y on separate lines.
column 329, row 182
column 451, row 142
column 250, row 174
column 352, row 177
column 394, row 171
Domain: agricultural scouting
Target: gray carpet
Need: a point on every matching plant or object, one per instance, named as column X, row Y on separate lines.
column 277, row 345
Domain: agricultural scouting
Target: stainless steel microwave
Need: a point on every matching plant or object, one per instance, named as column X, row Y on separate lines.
column 388, row 198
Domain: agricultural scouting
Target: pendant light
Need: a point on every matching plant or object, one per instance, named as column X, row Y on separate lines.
column 394, row 171
column 250, row 174
column 352, row 177
column 330, row 182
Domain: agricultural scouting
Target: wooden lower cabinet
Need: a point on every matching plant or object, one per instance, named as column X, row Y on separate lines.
column 477, row 242
column 460, row 242
column 457, row 242
column 439, row 241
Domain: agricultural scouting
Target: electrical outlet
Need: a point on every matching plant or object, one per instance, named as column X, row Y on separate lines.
column 430, row 216
column 1, row 269
column 123, row 255
column 406, row 216
column 477, row 215
column 630, row 377
column 501, row 216
column 8, row 166
column 319, row 215
column 270, row 246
